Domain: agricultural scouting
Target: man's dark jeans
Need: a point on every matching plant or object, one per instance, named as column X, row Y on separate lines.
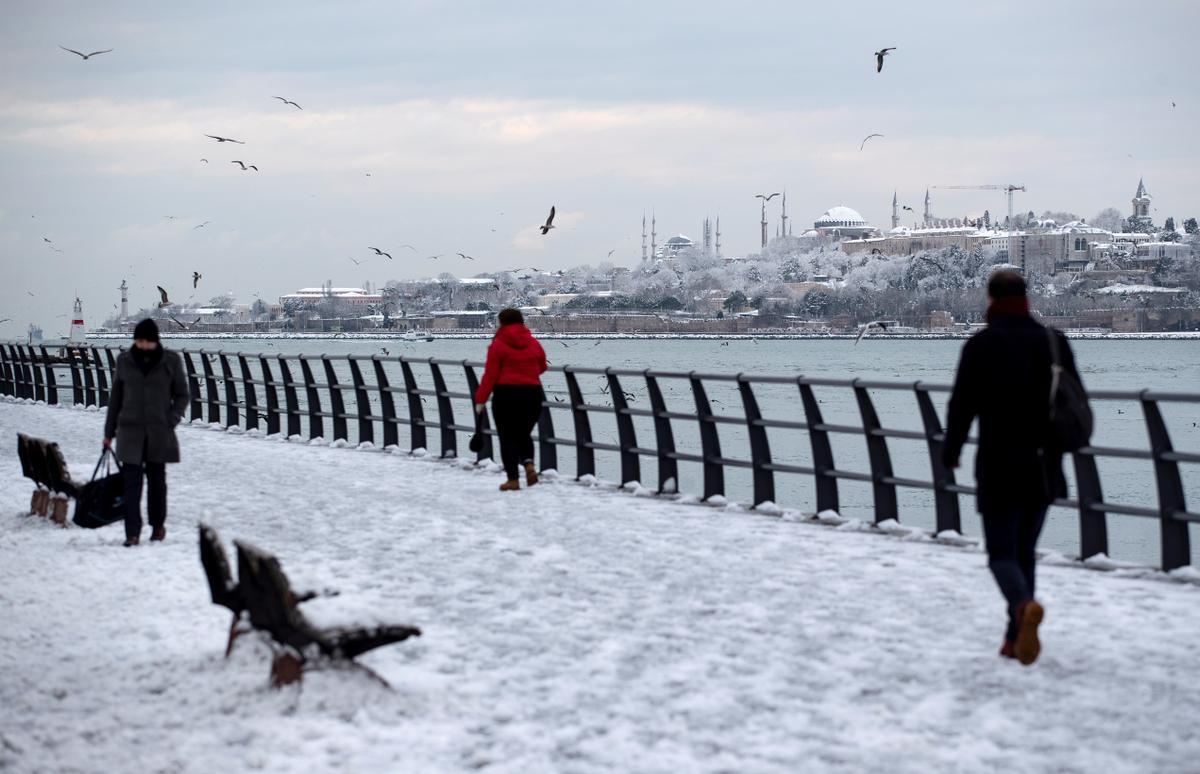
column 156, row 505
column 1012, row 534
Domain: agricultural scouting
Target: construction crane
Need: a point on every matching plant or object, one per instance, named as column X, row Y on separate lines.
column 1006, row 188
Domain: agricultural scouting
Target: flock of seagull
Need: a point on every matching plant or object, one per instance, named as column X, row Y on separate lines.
column 545, row 228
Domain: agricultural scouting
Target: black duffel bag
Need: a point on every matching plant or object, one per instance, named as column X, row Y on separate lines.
column 101, row 501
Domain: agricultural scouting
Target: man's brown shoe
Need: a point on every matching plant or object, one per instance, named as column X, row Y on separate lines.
column 159, row 533
column 510, row 485
column 1029, row 617
column 531, row 474
column 131, row 541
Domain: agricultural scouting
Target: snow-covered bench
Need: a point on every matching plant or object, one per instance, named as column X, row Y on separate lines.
column 42, row 462
column 266, row 596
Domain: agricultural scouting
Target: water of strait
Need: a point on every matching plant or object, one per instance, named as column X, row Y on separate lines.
column 1161, row 365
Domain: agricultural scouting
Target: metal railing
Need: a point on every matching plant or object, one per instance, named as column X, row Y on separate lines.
column 265, row 390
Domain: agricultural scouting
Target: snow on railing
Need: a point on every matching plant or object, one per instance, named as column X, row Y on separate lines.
column 297, row 394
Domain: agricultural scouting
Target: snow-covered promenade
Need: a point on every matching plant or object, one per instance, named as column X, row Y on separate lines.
column 565, row 630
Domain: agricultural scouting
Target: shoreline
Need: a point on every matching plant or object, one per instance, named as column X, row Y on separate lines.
column 779, row 336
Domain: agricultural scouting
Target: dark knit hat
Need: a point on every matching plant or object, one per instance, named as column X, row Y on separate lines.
column 146, row 330
column 510, row 316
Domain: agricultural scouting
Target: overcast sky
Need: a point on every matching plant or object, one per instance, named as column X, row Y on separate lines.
column 453, row 126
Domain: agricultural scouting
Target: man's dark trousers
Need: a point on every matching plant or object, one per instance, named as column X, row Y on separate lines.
column 1011, row 534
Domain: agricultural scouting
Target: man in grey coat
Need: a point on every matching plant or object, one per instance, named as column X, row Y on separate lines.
column 149, row 397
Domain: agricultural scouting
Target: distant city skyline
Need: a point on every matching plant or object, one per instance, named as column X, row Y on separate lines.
column 455, row 128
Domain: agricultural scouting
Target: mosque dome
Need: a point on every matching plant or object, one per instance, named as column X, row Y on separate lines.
column 840, row 217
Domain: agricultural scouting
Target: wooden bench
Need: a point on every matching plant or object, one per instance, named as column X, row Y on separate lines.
column 42, row 462
column 264, row 595
column 224, row 590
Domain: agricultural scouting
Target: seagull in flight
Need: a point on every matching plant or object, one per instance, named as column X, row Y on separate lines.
column 202, row 225
column 879, row 55
column 465, row 256
column 873, row 324
column 906, row 207
column 85, row 56
column 245, row 166
column 380, row 252
column 869, row 136
column 766, row 198
column 433, row 257
column 204, row 160
column 356, row 261
column 224, row 139
column 610, row 252
column 165, row 301
column 549, row 223
column 288, row 102
column 196, row 277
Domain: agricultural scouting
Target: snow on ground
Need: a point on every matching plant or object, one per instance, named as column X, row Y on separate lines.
column 565, row 629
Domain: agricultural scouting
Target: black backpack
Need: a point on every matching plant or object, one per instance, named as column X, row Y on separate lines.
column 1070, row 415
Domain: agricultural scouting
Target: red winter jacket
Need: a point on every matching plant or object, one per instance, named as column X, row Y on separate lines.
column 514, row 357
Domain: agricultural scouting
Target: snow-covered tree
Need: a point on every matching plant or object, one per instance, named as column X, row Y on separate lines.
column 1109, row 219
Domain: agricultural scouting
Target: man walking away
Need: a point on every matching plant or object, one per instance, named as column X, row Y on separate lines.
column 1004, row 378
column 149, row 397
column 512, row 377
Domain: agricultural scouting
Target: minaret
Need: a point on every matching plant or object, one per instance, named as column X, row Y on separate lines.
column 653, row 235
column 783, row 230
column 764, row 223
column 707, row 236
column 928, row 214
column 718, row 235
column 124, row 300
column 895, row 211
column 643, row 237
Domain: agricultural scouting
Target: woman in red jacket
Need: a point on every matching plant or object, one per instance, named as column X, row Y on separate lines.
column 512, row 376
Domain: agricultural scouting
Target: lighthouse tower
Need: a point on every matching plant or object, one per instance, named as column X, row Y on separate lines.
column 76, row 334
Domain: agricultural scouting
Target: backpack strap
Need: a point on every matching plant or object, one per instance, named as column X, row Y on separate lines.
column 1055, row 359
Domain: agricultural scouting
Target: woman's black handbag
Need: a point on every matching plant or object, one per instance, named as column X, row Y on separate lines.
column 101, row 501
column 476, row 442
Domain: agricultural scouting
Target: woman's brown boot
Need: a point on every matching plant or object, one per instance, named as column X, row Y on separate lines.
column 531, row 476
column 510, row 485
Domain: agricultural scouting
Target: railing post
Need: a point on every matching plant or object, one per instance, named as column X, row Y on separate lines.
column 290, row 398
column 210, row 382
column 585, row 455
column 249, row 393
column 1176, row 548
column 39, row 389
column 336, row 402
column 445, row 413
column 664, row 439
column 387, row 402
column 101, row 380
column 197, row 411
column 231, row 401
column 822, row 451
column 18, row 372
column 316, row 423
column 416, row 414
column 485, row 450
column 5, row 383
column 945, row 502
column 76, row 380
column 362, row 402
column 271, row 391
column 1093, row 527
column 877, row 452
column 51, row 379
column 760, row 447
column 710, row 441
column 631, row 468
column 547, row 449
column 89, row 381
